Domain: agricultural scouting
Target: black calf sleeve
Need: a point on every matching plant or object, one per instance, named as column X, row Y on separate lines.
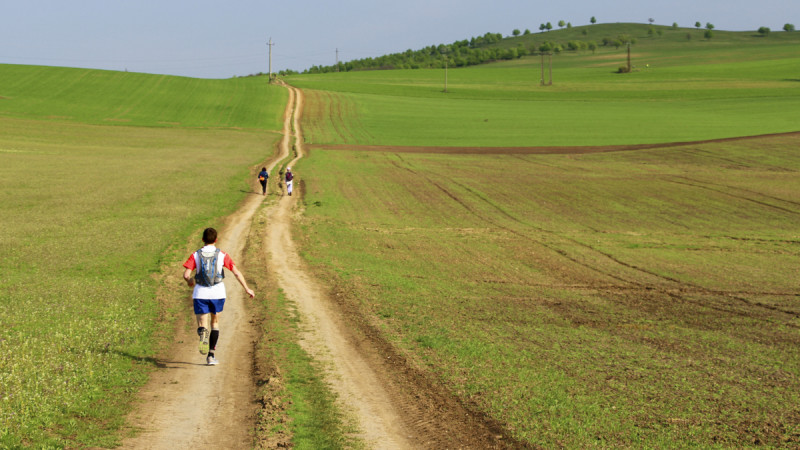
column 212, row 344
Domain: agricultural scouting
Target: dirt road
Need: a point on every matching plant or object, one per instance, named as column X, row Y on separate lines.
column 358, row 386
column 187, row 403
column 393, row 405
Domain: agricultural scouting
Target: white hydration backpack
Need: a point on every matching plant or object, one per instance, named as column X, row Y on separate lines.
column 206, row 273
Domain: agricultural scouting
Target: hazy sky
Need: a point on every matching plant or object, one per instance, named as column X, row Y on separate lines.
column 223, row 38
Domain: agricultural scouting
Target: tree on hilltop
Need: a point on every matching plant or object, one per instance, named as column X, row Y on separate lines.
column 709, row 26
column 788, row 27
column 516, row 32
column 561, row 24
column 593, row 20
column 697, row 25
column 549, row 26
column 764, row 31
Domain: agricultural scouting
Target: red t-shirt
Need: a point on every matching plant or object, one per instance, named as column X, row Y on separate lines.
column 210, row 292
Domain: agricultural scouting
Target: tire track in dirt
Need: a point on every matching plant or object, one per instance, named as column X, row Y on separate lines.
column 708, row 186
column 395, row 406
column 348, row 373
column 544, row 150
column 676, row 289
column 187, row 404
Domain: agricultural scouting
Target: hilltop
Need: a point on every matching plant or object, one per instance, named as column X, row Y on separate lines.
column 492, row 47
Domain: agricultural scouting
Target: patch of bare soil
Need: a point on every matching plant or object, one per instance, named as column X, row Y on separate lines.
column 567, row 150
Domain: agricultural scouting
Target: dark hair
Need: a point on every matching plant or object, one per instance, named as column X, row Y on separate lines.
column 209, row 236
column 264, row 169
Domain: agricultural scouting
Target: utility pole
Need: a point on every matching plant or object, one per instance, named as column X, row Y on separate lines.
column 270, row 44
column 337, row 59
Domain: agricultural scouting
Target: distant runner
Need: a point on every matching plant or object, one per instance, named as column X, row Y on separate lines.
column 263, row 177
column 289, row 178
column 209, row 264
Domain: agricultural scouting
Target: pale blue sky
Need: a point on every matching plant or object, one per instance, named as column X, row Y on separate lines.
column 223, row 38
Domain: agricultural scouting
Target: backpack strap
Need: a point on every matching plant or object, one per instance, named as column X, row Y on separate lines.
column 198, row 272
column 217, row 276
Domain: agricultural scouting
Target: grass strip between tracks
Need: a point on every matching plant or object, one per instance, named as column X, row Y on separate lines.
column 298, row 407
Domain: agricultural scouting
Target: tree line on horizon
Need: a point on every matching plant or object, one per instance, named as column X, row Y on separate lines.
column 481, row 50
column 467, row 52
column 463, row 53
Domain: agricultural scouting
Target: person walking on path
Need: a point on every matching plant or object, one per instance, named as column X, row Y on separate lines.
column 289, row 178
column 209, row 264
column 263, row 177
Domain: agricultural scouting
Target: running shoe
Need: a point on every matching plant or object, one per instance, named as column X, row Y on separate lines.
column 211, row 361
column 203, row 333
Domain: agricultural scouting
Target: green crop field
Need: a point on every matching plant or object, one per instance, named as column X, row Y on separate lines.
column 642, row 299
column 732, row 85
column 104, row 178
column 121, row 98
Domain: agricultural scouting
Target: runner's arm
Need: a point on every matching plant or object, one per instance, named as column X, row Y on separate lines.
column 187, row 275
column 241, row 280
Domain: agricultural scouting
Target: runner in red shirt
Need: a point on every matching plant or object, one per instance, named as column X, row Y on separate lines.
column 209, row 264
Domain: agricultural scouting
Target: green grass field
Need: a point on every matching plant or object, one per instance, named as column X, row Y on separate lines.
column 93, row 210
column 629, row 299
column 733, row 85
column 625, row 299
column 640, row 299
column 120, row 98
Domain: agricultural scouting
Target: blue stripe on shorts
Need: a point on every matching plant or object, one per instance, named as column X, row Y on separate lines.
column 203, row 306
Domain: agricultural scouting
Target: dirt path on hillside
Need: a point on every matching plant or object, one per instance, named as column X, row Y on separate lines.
column 187, row 404
column 360, row 390
column 393, row 405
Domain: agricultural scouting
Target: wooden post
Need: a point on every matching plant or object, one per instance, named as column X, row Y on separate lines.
column 541, row 81
column 629, row 56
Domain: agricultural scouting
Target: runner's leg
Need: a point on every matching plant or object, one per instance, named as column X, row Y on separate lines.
column 213, row 338
column 203, row 332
